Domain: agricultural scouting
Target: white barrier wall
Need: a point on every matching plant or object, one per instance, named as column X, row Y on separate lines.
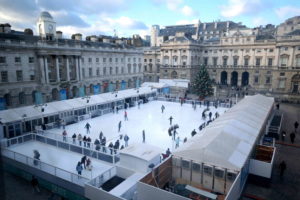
column 235, row 190
column 94, row 193
column 148, row 192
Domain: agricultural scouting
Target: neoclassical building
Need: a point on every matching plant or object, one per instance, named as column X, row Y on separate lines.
column 43, row 68
column 263, row 59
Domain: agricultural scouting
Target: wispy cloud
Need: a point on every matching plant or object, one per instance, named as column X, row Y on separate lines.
column 287, row 11
column 238, row 7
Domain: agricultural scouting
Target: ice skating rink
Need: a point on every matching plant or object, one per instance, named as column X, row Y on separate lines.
column 148, row 118
column 60, row 158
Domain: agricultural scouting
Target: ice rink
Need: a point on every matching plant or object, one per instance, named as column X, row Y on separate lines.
column 149, row 118
column 60, row 158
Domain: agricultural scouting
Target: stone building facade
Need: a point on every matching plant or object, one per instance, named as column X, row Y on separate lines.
column 39, row 69
column 263, row 59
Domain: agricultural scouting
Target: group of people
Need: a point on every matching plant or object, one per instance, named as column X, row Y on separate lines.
column 84, row 163
column 292, row 134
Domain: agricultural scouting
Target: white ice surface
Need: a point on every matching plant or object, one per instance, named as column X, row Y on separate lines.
column 60, row 158
column 148, row 118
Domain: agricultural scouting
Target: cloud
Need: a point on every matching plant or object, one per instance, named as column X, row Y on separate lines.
column 172, row 5
column 287, row 11
column 257, row 21
column 69, row 19
column 188, row 11
column 238, row 7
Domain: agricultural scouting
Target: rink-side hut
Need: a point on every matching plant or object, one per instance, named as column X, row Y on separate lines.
column 215, row 163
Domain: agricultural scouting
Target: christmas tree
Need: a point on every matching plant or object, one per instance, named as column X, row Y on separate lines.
column 202, row 84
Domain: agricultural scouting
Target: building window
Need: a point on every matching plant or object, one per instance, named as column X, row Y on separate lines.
column 271, row 50
column 104, row 70
column 19, row 74
column 196, row 167
column 110, row 59
column 134, row 59
column 298, row 61
column 215, row 61
column 185, row 164
column 90, row 60
column 207, row 170
column 122, row 70
column 219, row 173
column 117, row 70
column 90, row 72
column 110, row 70
column 2, row 59
column 184, row 51
column 205, row 61
column 31, row 59
column 128, row 59
column 225, row 61
column 97, row 60
column 270, row 62
column 4, row 76
column 281, row 84
column 83, row 73
column 235, row 61
column 98, row 71
column 32, row 77
column 17, row 59
column 116, row 60
column 104, row 60
column 145, row 60
column 283, row 61
column 282, row 74
column 256, row 79
column 257, row 62
column 246, row 61
column 268, row 80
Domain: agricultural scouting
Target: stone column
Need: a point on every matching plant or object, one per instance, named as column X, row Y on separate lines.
column 46, row 70
column 57, row 69
column 42, row 69
column 77, row 68
column 68, row 69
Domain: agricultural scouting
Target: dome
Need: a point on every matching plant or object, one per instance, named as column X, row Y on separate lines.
column 45, row 14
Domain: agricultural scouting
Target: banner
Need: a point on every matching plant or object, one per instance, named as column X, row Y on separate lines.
column 38, row 98
column 63, row 94
column 96, row 89
column 81, row 92
column 2, row 104
column 123, row 85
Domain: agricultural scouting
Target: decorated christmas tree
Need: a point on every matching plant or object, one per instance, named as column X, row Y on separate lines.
column 202, row 85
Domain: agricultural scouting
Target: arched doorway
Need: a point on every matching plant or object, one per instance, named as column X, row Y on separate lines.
column 7, row 99
column 174, row 75
column 245, row 78
column 117, row 85
column 234, row 78
column 223, row 78
column 296, row 83
column 105, row 86
column 55, row 95
column 91, row 89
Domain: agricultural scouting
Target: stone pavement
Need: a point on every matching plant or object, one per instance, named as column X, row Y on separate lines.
column 287, row 188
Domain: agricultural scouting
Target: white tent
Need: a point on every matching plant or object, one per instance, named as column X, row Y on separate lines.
column 228, row 141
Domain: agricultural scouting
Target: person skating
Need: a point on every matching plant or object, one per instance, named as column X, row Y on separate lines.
column 277, row 106
column 83, row 160
column 193, row 132
column 74, row 138
column 79, row 139
column 87, row 126
column 79, row 168
column 88, row 140
column 162, row 108
column 126, row 138
column 84, row 141
column 119, row 126
column 125, row 116
column 282, row 167
column 89, row 164
column 111, row 146
column 210, row 115
column 171, row 118
column 144, row 136
column 64, row 134
column 116, row 146
column 36, row 156
column 216, row 115
column 296, row 125
column 185, row 140
column 103, row 143
column 174, row 134
column 100, row 135
column 35, row 184
column 283, row 134
column 292, row 137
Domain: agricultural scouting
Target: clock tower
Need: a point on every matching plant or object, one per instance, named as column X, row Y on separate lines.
column 46, row 26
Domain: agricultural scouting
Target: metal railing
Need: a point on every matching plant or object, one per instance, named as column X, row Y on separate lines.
column 50, row 169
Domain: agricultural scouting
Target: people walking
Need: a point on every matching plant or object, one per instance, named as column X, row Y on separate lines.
column 35, row 184
column 126, row 138
column 119, row 126
column 64, row 133
column 162, row 108
column 79, row 139
column 84, row 141
column 74, row 138
column 292, row 137
column 144, row 136
column 79, row 168
column 87, row 126
column 171, row 118
column 193, row 132
column 296, row 125
column 125, row 116
column 282, row 167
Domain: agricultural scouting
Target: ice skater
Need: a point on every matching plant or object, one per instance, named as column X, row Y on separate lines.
column 79, row 139
column 125, row 116
column 162, row 108
column 193, row 133
column 89, row 165
column 171, row 118
column 119, row 126
column 83, row 160
column 79, row 169
column 36, row 156
column 296, row 125
column 144, row 136
column 210, row 114
column 64, row 133
column 74, row 138
column 87, row 126
column 126, row 138
column 84, row 141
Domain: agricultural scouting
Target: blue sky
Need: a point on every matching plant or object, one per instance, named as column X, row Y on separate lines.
column 129, row 17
